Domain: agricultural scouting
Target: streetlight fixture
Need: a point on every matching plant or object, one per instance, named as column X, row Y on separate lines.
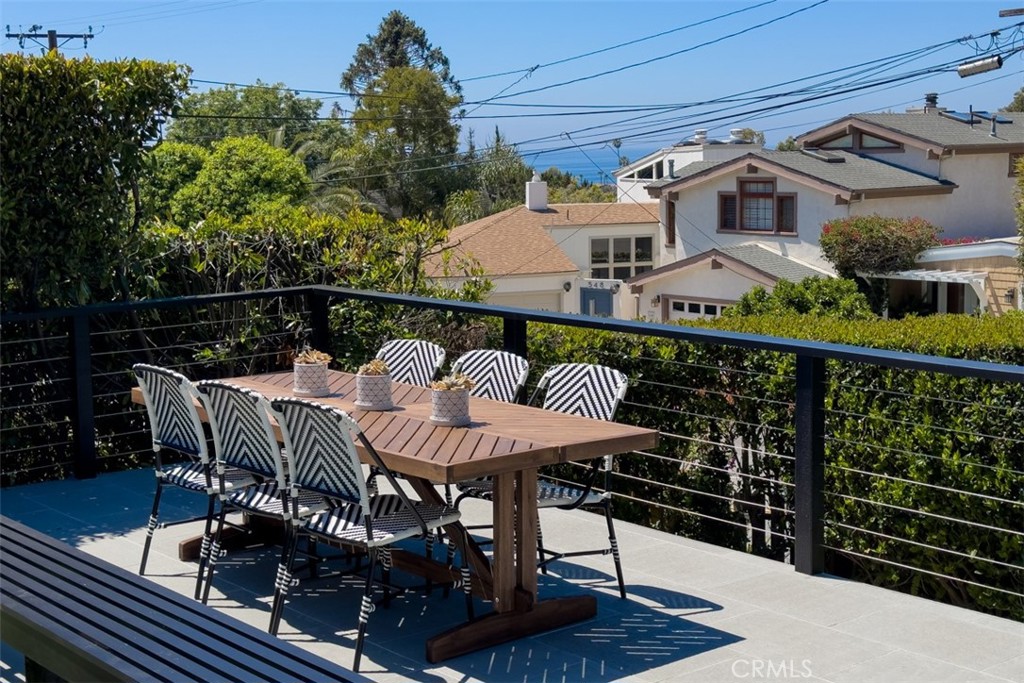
column 980, row 66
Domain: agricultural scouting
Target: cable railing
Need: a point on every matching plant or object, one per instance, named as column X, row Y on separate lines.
column 827, row 456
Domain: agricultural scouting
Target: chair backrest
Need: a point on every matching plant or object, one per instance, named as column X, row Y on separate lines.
column 583, row 389
column 413, row 361
column 318, row 444
column 498, row 375
column 242, row 433
column 173, row 418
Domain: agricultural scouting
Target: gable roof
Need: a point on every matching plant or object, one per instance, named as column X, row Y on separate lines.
column 841, row 173
column 930, row 130
column 753, row 259
column 516, row 242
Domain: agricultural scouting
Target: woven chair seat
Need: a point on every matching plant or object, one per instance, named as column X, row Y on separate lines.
column 550, row 494
column 190, row 476
column 392, row 521
column 265, row 499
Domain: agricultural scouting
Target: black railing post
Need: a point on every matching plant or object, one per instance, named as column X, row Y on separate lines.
column 514, row 333
column 809, row 550
column 320, row 334
column 82, row 414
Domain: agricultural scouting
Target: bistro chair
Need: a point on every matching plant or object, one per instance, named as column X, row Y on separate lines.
column 413, row 361
column 175, row 424
column 244, row 439
column 593, row 391
column 323, row 461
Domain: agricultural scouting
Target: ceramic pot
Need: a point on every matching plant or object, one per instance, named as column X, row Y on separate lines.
column 310, row 380
column 449, row 407
column 373, row 392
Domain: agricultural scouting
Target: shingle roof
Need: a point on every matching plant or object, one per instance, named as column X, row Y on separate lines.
column 772, row 263
column 753, row 254
column 850, row 172
column 515, row 242
column 942, row 130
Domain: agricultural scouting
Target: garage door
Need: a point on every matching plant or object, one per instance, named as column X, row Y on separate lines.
column 541, row 301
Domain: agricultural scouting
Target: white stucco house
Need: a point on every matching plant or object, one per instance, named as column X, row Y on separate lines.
column 569, row 258
column 955, row 170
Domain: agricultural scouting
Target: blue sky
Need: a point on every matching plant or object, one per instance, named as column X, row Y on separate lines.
column 307, row 44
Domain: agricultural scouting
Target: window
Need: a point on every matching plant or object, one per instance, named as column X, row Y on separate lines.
column 757, row 207
column 1015, row 158
column 670, row 223
column 858, row 140
column 697, row 309
column 620, row 257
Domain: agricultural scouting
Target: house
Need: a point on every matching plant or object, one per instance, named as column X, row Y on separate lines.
column 569, row 258
column 954, row 170
column 970, row 277
column 631, row 180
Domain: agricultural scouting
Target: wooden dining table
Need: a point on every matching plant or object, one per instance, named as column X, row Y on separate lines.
column 506, row 441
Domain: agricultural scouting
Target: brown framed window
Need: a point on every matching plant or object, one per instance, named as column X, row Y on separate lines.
column 620, row 257
column 670, row 223
column 756, row 207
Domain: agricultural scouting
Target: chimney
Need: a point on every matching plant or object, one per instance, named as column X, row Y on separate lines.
column 536, row 194
column 671, row 168
column 931, row 102
column 700, row 135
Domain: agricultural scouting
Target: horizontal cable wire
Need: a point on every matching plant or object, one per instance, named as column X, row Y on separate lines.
column 694, row 513
column 729, row 499
column 940, row 399
column 918, row 454
column 915, row 482
column 56, row 359
column 931, row 426
column 925, row 513
column 924, row 545
column 854, row 553
column 35, row 404
column 684, row 437
column 36, row 447
column 712, row 418
column 704, row 466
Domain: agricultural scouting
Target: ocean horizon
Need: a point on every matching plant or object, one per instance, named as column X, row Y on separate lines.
column 593, row 165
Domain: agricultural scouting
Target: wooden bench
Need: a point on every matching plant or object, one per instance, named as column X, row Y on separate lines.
column 80, row 618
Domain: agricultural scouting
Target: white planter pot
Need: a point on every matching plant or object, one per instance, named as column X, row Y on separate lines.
column 373, row 392
column 450, row 408
column 310, row 380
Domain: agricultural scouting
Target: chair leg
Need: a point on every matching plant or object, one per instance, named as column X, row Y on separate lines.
column 284, row 579
column 467, row 585
column 154, row 515
column 540, row 548
column 365, row 608
column 615, row 548
column 204, row 549
column 215, row 552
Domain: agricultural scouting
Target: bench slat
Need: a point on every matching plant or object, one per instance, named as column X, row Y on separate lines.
column 95, row 610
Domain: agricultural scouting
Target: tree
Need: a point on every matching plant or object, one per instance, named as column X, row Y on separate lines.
column 875, row 244
column 1017, row 104
column 240, row 175
column 502, row 176
column 399, row 43
column 72, row 136
column 830, row 297
column 170, row 166
column 788, row 145
column 751, row 135
column 407, row 142
column 260, row 110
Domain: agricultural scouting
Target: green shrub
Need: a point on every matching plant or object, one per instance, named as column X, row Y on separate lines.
column 875, row 244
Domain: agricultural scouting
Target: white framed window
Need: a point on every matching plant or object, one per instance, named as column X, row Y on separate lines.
column 692, row 309
column 620, row 257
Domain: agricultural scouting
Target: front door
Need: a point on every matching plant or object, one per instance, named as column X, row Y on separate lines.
column 595, row 301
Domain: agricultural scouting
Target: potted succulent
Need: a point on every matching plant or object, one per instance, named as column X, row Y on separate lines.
column 373, row 386
column 449, row 400
column 310, row 378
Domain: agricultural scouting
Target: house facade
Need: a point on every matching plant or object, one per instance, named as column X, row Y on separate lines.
column 954, row 170
column 569, row 258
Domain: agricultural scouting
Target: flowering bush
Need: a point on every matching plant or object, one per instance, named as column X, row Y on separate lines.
column 875, row 244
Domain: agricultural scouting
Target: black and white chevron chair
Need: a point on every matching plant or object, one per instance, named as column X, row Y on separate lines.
column 175, row 424
column 593, row 391
column 244, row 439
column 413, row 361
column 498, row 375
column 323, row 461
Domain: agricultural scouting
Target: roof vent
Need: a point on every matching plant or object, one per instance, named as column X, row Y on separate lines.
column 736, row 137
column 931, row 101
column 700, row 135
column 821, row 155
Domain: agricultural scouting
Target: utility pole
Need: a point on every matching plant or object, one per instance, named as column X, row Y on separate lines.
column 51, row 37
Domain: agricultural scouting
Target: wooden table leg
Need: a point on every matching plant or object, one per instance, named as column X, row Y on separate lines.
column 526, row 533
column 502, row 563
